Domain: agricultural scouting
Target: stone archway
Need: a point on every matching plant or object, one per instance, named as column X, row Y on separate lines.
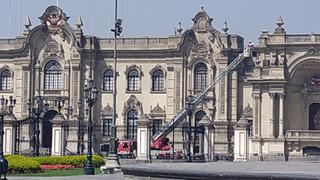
column 47, row 128
column 301, row 93
column 198, row 143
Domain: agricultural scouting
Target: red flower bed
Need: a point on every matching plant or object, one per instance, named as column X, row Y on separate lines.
column 56, row 167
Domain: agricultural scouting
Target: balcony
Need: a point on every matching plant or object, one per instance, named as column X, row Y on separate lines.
column 304, row 135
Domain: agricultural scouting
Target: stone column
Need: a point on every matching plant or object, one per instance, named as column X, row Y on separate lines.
column 241, row 140
column 271, row 121
column 256, row 114
column 143, row 138
column 7, row 139
column 58, row 136
column 37, row 83
column 281, row 115
column 257, row 120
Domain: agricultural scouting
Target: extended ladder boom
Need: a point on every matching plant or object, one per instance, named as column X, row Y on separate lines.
column 168, row 127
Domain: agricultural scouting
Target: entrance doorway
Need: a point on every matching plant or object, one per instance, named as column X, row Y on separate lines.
column 47, row 128
column 198, row 141
column 314, row 116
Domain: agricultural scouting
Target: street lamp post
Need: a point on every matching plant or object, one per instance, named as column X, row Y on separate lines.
column 16, row 137
column 189, row 107
column 37, row 111
column 112, row 159
column 6, row 107
column 34, row 115
column 79, row 128
column 90, row 95
column 33, row 139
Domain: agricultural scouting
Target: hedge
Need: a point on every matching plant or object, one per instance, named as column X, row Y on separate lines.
column 77, row 161
column 22, row 164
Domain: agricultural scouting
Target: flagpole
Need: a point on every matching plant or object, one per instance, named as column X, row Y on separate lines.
column 9, row 4
column 20, row 18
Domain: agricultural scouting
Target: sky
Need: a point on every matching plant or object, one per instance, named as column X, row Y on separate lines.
column 159, row 18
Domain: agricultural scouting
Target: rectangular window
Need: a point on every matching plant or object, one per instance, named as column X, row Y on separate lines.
column 106, row 127
column 156, row 126
column 108, row 83
column 6, row 83
column 133, row 84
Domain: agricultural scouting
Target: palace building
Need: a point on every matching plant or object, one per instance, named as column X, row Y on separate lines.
column 268, row 107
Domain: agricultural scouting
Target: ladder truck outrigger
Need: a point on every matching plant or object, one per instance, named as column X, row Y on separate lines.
column 159, row 140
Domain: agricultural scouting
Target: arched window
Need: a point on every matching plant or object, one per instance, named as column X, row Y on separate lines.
column 52, row 76
column 5, row 80
column 133, row 80
column 198, row 117
column 132, row 117
column 108, row 80
column 158, row 80
column 200, row 77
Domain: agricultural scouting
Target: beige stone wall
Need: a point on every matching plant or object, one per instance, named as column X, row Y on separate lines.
column 81, row 56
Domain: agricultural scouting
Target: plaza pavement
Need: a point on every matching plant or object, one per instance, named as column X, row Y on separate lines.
column 274, row 169
column 229, row 170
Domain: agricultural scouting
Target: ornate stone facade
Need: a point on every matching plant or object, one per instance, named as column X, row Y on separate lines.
column 273, row 92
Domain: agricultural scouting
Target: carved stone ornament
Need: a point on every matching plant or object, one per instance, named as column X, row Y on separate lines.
column 313, row 85
column 132, row 103
column 201, row 51
column 202, row 22
column 53, row 49
column 313, row 51
column 106, row 111
column 129, row 68
column 53, row 17
column 156, row 111
column 248, row 112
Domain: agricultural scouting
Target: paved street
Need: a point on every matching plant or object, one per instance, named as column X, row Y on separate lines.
column 117, row 176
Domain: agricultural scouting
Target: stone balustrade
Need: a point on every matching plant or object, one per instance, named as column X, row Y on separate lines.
column 7, row 44
column 303, row 134
column 141, row 43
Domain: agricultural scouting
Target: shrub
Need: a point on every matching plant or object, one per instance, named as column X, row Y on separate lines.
column 77, row 161
column 22, row 164
column 56, row 167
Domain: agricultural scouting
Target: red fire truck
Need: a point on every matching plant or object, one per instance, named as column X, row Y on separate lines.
column 127, row 148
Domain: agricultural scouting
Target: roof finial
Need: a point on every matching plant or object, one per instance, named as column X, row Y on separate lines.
column 27, row 22
column 202, row 8
column 279, row 21
column 225, row 27
column 179, row 30
column 79, row 22
column 279, row 29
